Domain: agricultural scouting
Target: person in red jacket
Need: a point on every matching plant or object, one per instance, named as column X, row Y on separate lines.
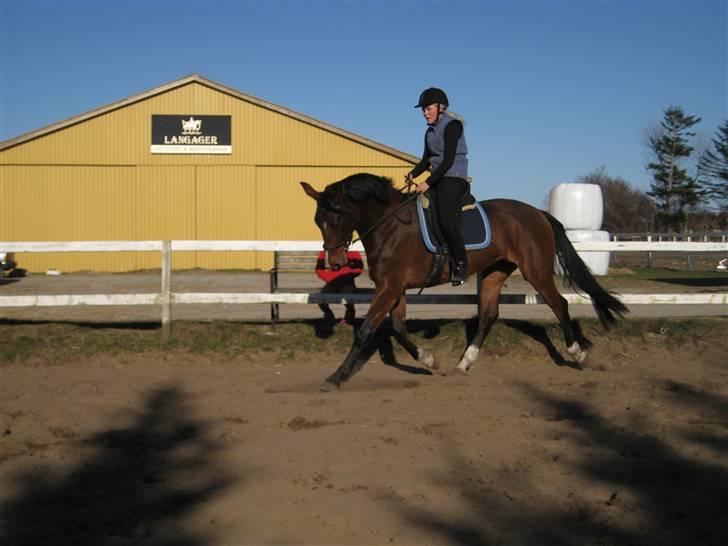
column 339, row 282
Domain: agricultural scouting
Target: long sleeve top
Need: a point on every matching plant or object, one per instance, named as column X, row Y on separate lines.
column 453, row 132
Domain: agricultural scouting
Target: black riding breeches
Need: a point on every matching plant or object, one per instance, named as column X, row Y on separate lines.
column 449, row 194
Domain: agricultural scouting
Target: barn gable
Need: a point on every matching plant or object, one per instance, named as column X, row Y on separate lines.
column 95, row 177
column 262, row 133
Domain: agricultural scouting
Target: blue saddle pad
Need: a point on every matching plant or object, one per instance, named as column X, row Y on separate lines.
column 476, row 228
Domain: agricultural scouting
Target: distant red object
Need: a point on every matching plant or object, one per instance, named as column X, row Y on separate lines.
column 354, row 266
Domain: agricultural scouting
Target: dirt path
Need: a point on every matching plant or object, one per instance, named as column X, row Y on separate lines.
column 164, row 447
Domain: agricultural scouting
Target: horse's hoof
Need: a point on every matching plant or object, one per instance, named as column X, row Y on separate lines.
column 430, row 364
column 328, row 386
column 427, row 359
column 576, row 351
column 457, row 370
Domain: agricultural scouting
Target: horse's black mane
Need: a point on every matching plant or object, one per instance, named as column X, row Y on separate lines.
column 359, row 187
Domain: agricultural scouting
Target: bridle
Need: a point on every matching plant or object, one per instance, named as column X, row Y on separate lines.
column 347, row 243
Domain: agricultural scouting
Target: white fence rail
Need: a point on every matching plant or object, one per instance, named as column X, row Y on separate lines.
column 166, row 297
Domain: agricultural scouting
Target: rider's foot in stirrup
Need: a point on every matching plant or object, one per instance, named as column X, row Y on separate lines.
column 460, row 275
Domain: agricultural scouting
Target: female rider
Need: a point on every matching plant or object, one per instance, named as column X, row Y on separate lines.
column 446, row 156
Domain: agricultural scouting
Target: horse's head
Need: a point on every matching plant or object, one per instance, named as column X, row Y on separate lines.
column 334, row 219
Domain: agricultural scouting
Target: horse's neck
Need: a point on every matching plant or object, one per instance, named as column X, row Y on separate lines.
column 383, row 220
column 372, row 212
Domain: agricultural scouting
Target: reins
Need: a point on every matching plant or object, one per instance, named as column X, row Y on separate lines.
column 376, row 224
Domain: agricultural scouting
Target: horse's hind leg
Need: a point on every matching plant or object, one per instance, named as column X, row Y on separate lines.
column 543, row 282
column 398, row 315
column 490, row 287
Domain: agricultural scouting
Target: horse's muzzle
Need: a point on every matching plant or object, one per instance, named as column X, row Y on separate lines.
column 336, row 258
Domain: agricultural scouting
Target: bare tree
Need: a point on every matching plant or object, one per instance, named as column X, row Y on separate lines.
column 626, row 209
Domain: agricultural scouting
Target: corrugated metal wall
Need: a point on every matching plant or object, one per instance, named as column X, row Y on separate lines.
column 62, row 203
column 97, row 180
column 226, row 210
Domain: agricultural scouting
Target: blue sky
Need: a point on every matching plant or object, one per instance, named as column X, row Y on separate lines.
column 550, row 90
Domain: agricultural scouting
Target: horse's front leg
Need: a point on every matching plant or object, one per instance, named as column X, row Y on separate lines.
column 382, row 302
column 398, row 315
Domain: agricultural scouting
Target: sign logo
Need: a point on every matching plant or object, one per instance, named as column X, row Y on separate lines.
column 191, row 126
column 191, row 134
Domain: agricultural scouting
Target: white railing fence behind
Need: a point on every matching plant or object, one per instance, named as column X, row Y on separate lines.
column 165, row 297
column 698, row 236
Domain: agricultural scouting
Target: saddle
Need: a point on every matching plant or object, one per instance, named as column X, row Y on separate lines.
column 475, row 225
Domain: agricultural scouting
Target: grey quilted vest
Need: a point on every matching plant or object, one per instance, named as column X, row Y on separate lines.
column 435, row 139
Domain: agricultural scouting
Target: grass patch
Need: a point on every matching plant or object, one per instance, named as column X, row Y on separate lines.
column 45, row 342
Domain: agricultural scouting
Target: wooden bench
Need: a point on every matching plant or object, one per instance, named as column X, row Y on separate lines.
column 304, row 261
column 293, row 261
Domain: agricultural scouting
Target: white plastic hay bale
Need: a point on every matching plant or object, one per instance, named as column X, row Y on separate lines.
column 597, row 262
column 577, row 206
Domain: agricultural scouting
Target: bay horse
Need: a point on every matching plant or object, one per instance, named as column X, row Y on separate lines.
column 522, row 237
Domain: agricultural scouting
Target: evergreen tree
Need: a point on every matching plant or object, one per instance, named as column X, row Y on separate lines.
column 713, row 167
column 673, row 190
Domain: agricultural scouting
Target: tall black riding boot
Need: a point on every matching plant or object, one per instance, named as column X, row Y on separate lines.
column 460, row 273
column 449, row 196
column 459, row 257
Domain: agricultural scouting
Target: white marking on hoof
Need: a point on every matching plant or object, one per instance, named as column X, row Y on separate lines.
column 576, row 352
column 471, row 354
column 426, row 358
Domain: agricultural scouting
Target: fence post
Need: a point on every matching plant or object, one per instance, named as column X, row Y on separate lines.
column 166, row 294
column 690, row 258
column 649, row 254
column 479, row 279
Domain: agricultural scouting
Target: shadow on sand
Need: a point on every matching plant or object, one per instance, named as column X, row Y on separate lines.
column 660, row 487
column 539, row 334
column 137, row 486
column 699, row 283
column 431, row 329
column 150, row 325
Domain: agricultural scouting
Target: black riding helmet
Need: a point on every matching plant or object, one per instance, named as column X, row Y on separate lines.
column 432, row 95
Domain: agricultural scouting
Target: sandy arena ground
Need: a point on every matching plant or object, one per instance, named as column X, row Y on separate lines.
column 176, row 447
column 168, row 447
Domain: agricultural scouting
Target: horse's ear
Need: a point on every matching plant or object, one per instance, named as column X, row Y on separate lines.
column 312, row 193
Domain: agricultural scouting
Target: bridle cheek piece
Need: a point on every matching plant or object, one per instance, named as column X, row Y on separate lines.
column 347, row 242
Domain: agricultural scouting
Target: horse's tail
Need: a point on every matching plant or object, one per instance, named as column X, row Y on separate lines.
column 577, row 275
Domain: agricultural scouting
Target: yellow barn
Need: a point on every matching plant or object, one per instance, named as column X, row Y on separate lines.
column 192, row 159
